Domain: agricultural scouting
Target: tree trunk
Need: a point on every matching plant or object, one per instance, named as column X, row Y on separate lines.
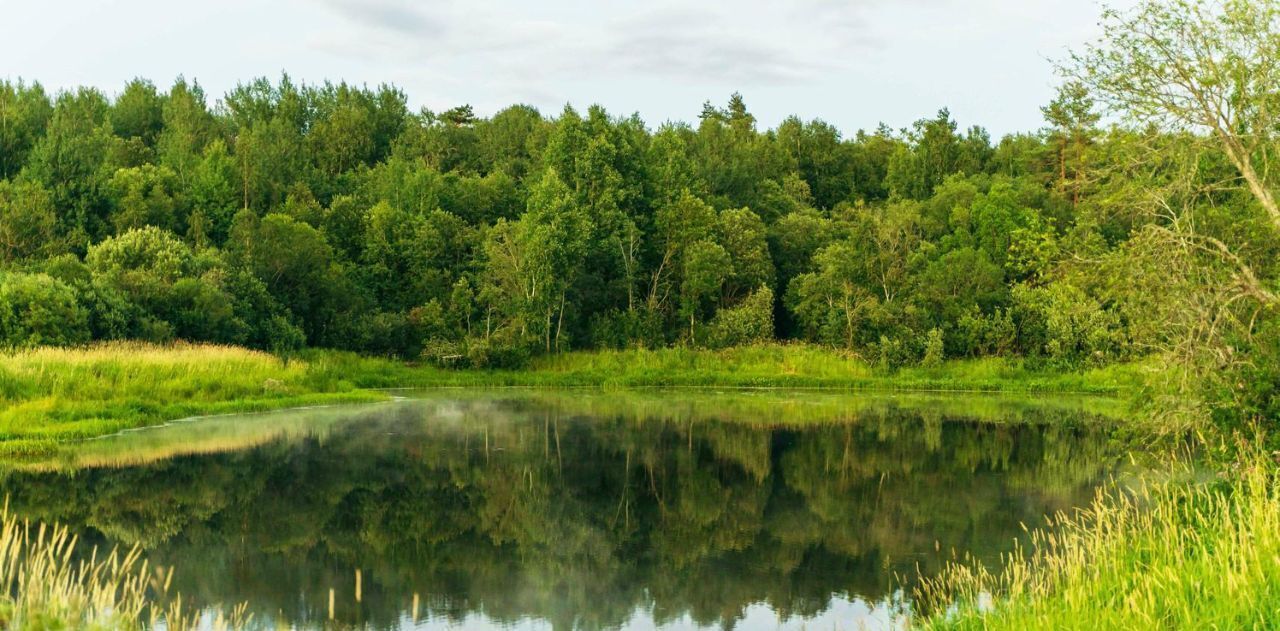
column 559, row 323
column 1261, row 192
column 1240, row 156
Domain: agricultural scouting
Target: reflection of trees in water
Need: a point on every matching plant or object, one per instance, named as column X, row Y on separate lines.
column 522, row 506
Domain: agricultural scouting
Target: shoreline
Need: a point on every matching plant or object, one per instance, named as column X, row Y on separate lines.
column 56, row 395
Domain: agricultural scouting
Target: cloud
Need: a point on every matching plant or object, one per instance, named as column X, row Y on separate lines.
column 392, row 16
column 747, row 42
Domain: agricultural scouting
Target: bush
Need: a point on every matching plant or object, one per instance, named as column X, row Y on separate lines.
column 1065, row 324
column 635, row 328
column 933, row 350
column 283, row 335
column 748, row 323
column 978, row 334
column 893, row 353
column 503, row 349
column 444, row 353
column 36, row 309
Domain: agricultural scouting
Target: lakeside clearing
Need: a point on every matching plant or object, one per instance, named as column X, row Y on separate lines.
column 52, row 395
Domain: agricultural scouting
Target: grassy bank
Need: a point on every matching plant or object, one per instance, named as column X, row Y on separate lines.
column 52, row 395
column 767, row 366
column 1176, row 555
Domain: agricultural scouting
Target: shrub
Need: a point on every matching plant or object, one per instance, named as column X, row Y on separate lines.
column 893, row 353
column 748, row 323
column 36, row 309
column 282, row 334
column 1064, row 323
column 628, row 329
column 933, row 351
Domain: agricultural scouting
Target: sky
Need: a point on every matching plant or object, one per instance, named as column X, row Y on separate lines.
column 854, row 64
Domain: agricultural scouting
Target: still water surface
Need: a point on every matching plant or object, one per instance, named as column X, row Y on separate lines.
column 536, row 510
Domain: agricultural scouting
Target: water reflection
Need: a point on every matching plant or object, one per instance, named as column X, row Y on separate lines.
column 578, row 510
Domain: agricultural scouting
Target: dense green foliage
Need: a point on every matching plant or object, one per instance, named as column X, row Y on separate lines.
column 330, row 215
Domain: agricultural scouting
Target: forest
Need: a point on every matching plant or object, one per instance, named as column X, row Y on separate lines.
column 292, row 215
column 285, row 216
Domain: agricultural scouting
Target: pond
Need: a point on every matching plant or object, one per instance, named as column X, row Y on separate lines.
column 579, row 509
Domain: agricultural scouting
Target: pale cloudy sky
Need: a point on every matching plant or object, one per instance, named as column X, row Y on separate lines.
column 853, row 63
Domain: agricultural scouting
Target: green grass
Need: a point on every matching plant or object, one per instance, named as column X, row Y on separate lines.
column 52, row 395
column 1176, row 554
column 765, row 366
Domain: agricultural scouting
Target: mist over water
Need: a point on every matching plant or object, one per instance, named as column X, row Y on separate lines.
column 566, row 510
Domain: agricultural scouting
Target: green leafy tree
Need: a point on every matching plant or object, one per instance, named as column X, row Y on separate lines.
column 1072, row 119
column 677, row 226
column 28, row 222
column 706, row 267
column 295, row 264
column 831, row 303
column 533, row 261
column 71, row 161
column 744, row 237
column 138, row 112
column 187, row 127
column 143, row 196
column 213, row 190
column 25, row 111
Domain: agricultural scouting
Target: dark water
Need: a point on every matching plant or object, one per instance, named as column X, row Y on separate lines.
column 578, row 510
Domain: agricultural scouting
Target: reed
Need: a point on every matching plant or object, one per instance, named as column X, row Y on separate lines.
column 45, row 583
column 1172, row 555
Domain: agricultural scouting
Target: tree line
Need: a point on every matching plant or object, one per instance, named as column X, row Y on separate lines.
column 1138, row 220
column 290, row 215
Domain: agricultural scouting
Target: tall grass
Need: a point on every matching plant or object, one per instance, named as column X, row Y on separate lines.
column 805, row 366
column 45, row 585
column 1171, row 556
column 52, row 394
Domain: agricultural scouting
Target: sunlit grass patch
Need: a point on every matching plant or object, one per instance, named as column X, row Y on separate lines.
column 56, row 393
column 1173, row 555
